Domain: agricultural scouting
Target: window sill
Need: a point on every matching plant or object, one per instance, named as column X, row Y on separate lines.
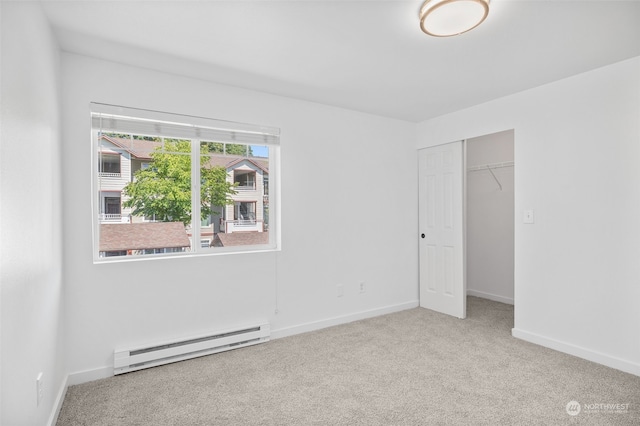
column 202, row 253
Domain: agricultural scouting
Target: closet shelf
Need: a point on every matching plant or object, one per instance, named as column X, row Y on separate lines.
column 490, row 166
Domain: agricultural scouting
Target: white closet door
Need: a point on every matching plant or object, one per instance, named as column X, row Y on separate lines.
column 441, row 204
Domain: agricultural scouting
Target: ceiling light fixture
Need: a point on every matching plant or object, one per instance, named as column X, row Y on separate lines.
column 444, row 18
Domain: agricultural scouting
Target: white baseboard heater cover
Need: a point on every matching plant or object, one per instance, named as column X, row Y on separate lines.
column 127, row 360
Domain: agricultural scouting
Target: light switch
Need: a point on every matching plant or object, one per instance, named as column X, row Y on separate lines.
column 528, row 216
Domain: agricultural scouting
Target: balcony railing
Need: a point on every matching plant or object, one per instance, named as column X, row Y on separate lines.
column 230, row 226
column 246, row 187
column 109, row 174
column 110, row 217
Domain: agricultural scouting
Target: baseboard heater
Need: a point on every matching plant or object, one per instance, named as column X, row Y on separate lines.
column 127, row 360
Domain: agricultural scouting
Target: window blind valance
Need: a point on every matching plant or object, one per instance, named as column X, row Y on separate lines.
column 118, row 119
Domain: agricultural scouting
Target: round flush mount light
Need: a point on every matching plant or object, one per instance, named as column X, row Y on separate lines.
column 445, row 18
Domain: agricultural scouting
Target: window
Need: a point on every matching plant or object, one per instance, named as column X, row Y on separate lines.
column 184, row 185
column 245, row 180
column 109, row 165
column 110, row 207
column 245, row 211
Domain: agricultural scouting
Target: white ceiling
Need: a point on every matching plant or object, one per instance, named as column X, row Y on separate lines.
column 368, row 56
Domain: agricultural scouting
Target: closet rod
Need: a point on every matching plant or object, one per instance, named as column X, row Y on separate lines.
column 490, row 166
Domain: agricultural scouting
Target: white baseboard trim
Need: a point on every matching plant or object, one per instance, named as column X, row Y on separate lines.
column 89, row 375
column 580, row 352
column 104, row 372
column 57, row 405
column 329, row 322
column 490, row 296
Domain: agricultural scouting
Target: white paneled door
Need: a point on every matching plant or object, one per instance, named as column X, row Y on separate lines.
column 441, row 211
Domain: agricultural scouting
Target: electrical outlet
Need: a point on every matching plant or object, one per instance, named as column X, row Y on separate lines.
column 340, row 290
column 39, row 389
column 363, row 288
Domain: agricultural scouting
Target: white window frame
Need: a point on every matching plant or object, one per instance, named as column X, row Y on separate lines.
column 118, row 119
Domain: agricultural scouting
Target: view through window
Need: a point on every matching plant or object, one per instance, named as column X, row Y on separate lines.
column 173, row 184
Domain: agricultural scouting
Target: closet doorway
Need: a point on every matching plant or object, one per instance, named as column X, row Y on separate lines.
column 467, row 219
column 490, row 216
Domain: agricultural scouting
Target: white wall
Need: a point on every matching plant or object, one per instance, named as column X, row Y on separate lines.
column 577, row 147
column 490, row 218
column 345, row 175
column 30, row 217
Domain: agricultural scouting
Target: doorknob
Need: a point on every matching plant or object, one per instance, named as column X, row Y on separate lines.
column 422, row 235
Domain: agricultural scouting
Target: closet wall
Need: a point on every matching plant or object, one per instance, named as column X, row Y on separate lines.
column 490, row 216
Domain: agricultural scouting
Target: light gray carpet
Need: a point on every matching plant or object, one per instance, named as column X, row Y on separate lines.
column 414, row 367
